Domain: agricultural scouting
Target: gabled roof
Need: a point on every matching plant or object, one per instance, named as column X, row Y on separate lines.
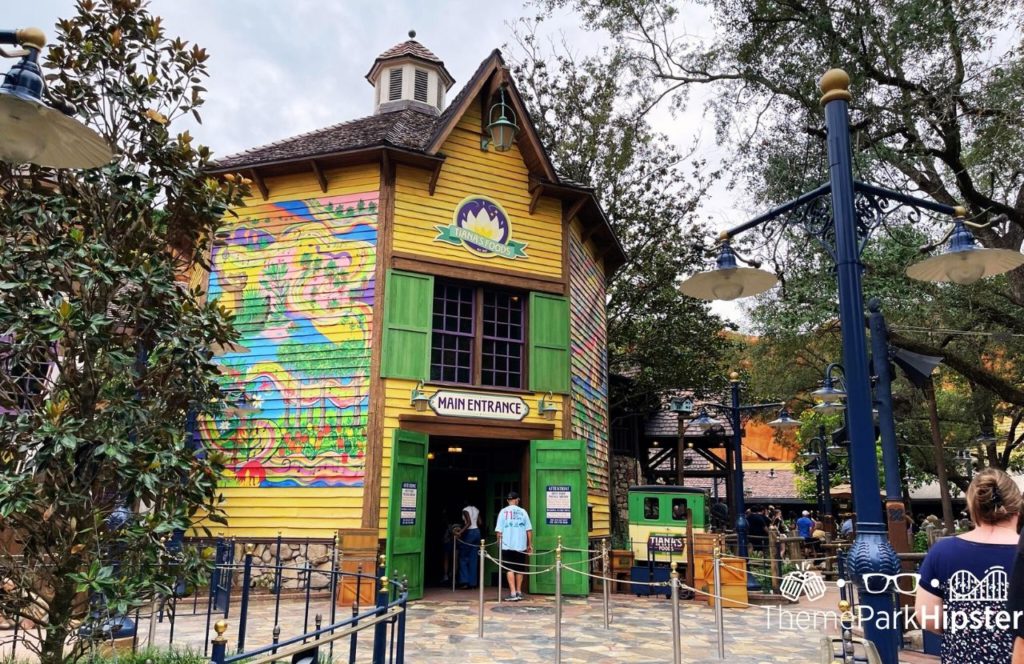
column 421, row 136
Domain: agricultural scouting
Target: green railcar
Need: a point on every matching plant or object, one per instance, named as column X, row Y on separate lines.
column 658, row 518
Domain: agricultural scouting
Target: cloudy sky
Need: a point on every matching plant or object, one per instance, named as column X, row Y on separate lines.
column 281, row 68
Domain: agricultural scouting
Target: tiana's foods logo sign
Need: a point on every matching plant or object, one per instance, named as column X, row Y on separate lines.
column 482, row 227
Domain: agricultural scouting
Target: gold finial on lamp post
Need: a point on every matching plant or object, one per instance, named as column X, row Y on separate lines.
column 834, row 84
column 32, row 38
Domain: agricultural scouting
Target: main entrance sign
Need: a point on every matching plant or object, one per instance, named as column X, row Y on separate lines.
column 488, row 406
column 481, row 226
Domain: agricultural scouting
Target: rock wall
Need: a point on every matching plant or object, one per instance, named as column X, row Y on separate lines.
column 625, row 473
column 299, row 560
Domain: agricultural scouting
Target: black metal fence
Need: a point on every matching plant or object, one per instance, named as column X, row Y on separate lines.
column 249, row 585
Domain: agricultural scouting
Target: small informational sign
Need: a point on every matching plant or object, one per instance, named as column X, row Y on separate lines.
column 664, row 543
column 453, row 403
column 559, row 505
column 409, row 495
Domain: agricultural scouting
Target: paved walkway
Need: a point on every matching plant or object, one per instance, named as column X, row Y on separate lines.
column 443, row 628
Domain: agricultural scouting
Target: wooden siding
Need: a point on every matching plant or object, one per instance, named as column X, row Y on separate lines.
column 589, row 357
column 397, row 394
column 500, row 176
column 297, row 271
column 602, row 515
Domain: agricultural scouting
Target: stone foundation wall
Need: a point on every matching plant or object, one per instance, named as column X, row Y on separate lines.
column 295, row 555
column 626, row 473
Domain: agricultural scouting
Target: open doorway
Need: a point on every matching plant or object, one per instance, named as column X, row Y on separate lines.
column 480, row 472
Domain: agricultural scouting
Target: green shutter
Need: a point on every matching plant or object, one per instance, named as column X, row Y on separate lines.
column 408, row 312
column 549, row 343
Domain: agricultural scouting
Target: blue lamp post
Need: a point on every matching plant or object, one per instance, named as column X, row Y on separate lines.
column 735, row 412
column 841, row 215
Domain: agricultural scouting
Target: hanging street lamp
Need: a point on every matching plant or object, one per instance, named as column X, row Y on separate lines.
column 963, row 261
column 705, row 422
column 728, row 281
column 840, row 216
column 784, row 421
column 33, row 132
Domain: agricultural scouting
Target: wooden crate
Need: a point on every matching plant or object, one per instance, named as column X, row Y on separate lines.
column 359, row 548
column 734, row 581
column 733, row 597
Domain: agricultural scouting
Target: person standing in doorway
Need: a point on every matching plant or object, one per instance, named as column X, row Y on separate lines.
column 469, row 547
column 515, row 537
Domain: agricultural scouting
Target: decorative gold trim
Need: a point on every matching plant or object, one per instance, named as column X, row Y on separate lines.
column 835, row 85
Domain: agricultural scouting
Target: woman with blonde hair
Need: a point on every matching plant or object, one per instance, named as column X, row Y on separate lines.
column 962, row 592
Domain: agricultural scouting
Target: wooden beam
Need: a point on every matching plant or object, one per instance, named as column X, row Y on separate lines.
column 484, row 273
column 437, row 425
column 434, row 175
column 320, row 177
column 569, row 212
column 535, row 195
column 589, row 233
column 374, row 460
column 260, row 184
column 498, row 79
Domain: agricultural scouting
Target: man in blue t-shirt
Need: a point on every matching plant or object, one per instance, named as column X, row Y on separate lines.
column 805, row 525
column 515, row 536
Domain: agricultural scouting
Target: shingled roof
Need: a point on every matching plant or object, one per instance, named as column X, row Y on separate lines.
column 408, row 129
column 411, row 49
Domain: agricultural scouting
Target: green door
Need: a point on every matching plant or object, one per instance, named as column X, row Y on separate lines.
column 498, row 486
column 558, row 508
column 407, row 518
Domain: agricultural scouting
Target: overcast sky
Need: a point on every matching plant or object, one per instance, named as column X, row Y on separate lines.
column 280, row 68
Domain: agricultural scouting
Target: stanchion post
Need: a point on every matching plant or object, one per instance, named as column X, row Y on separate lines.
column 455, row 558
column 220, row 642
column 480, row 611
column 677, row 646
column 558, row 601
column 773, row 556
column 500, row 571
column 605, row 591
column 719, row 614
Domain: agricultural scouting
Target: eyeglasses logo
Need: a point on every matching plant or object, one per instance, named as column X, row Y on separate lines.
column 904, row 583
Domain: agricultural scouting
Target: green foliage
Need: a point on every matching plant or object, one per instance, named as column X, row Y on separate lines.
column 106, row 350
column 147, row 656
column 592, row 120
column 937, row 90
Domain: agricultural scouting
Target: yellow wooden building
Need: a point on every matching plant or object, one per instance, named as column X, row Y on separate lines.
column 421, row 302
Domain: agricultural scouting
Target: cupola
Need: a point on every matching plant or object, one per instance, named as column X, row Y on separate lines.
column 408, row 75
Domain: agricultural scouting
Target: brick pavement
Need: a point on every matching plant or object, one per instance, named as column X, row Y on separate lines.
column 443, row 628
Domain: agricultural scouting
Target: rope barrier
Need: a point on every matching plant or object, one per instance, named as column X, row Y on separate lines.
column 654, row 584
column 697, row 591
column 517, row 571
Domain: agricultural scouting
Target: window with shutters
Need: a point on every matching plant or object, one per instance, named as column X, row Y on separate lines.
column 419, row 92
column 395, row 84
column 478, row 336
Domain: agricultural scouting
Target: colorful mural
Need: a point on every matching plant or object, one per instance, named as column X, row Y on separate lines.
column 299, row 278
column 589, row 360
